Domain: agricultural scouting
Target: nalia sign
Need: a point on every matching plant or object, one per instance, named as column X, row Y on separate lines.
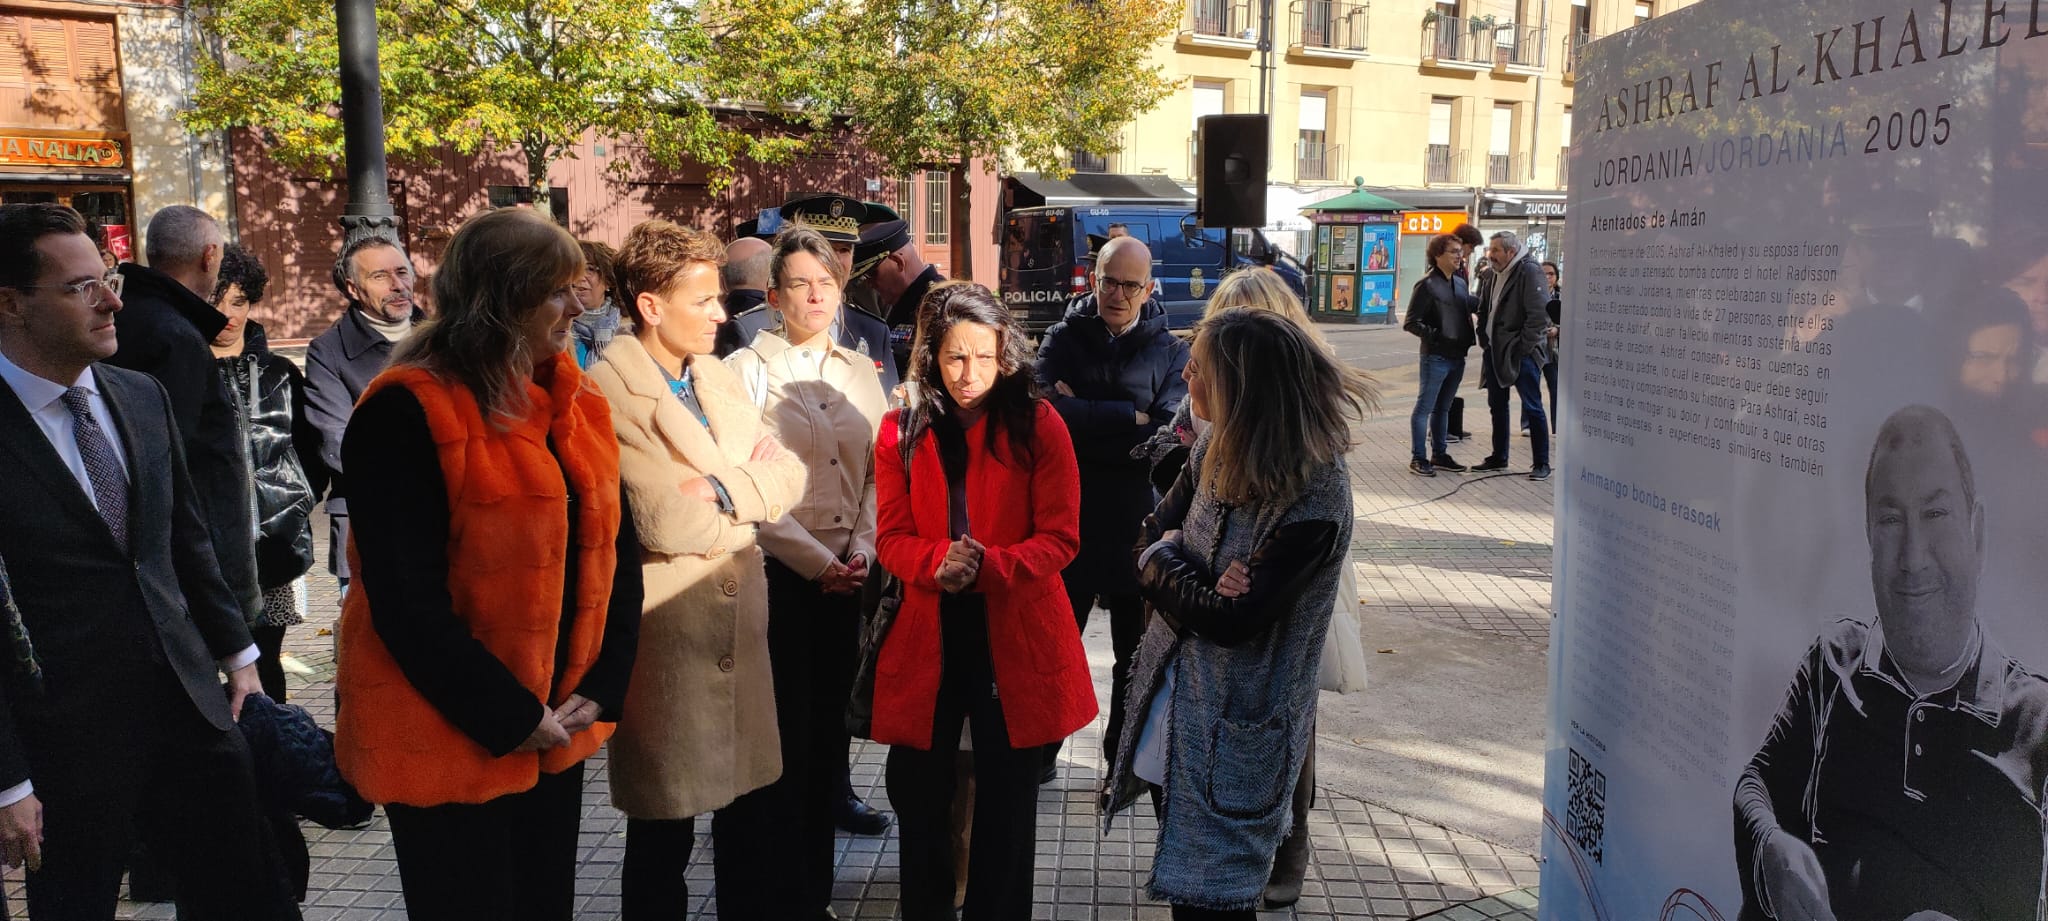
column 83, row 152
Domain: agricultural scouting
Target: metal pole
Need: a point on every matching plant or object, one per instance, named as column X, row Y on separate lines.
column 369, row 211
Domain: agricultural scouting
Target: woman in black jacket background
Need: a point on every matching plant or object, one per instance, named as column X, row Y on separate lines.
column 270, row 399
column 1440, row 313
column 270, row 407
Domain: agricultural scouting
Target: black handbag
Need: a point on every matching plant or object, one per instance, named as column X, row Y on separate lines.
column 881, row 597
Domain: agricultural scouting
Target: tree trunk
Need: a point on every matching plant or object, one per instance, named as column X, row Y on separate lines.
column 961, row 218
column 537, row 181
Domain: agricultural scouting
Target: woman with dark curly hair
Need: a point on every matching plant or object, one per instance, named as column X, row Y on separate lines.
column 980, row 504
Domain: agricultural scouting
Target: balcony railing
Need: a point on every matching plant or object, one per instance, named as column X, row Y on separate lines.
column 1500, row 169
column 1315, row 161
column 1334, row 25
column 1443, row 166
column 1564, row 167
column 1575, row 45
column 1480, row 42
column 1522, row 46
column 1083, row 161
column 1223, row 19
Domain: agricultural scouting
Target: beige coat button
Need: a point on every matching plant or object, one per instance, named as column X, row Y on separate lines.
column 730, row 587
column 725, row 664
column 715, row 553
column 775, row 511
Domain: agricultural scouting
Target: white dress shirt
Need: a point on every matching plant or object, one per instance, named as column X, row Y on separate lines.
column 44, row 400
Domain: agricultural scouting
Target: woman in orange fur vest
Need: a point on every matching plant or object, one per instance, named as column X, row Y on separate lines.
column 486, row 647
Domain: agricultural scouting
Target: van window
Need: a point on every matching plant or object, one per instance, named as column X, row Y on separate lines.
column 1037, row 241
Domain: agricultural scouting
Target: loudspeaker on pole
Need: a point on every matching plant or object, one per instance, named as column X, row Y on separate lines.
column 1230, row 182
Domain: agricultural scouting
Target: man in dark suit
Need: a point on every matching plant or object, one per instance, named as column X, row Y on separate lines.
column 115, row 577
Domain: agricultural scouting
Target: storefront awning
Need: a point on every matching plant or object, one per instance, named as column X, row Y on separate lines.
column 1033, row 190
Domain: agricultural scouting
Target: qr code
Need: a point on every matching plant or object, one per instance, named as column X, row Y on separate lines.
column 1585, row 816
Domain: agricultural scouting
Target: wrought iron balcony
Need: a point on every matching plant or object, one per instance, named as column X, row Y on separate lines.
column 1480, row 42
column 1328, row 25
column 1231, row 19
column 1443, row 166
column 1315, row 161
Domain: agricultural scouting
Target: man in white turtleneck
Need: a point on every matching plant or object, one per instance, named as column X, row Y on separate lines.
column 376, row 277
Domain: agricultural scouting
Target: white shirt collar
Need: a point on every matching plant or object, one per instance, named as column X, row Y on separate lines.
column 37, row 393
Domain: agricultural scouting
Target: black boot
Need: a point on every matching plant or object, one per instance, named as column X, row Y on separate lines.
column 855, row 817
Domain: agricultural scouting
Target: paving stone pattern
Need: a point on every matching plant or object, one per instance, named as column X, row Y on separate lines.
column 1470, row 551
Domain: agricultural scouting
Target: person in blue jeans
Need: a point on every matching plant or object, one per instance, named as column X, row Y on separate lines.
column 1514, row 339
column 1440, row 314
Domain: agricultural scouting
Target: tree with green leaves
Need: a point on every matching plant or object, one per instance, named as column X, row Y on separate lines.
column 531, row 75
column 1026, row 81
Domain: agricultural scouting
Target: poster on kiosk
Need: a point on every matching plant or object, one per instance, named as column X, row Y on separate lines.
column 1802, row 531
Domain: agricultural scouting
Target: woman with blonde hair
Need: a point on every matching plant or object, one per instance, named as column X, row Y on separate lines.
column 1242, row 572
column 825, row 402
column 486, row 647
column 703, row 472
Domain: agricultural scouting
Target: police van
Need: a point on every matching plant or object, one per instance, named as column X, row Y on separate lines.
column 1045, row 258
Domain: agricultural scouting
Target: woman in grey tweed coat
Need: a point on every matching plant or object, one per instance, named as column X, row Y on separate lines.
column 1240, row 568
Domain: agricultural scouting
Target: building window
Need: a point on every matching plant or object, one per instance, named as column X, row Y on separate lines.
column 1644, row 12
column 1500, row 146
column 1438, row 159
column 1564, row 151
column 906, row 199
column 1082, row 161
column 505, row 196
column 1312, row 159
column 937, row 227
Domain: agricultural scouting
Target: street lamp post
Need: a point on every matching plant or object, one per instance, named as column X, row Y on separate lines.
column 369, row 211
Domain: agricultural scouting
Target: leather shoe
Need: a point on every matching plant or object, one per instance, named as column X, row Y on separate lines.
column 855, row 817
column 1491, row 463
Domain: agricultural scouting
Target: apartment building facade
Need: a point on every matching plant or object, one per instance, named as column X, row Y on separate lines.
column 1443, row 105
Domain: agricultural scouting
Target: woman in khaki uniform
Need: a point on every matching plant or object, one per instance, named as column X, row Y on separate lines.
column 825, row 401
column 703, row 471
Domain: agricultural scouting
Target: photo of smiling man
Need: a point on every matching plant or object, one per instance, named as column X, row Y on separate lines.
column 1903, row 777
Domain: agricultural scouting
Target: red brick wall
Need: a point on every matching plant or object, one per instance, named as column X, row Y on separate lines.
column 291, row 220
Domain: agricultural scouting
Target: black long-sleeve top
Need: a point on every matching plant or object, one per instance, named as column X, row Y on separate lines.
column 398, row 506
column 1183, row 591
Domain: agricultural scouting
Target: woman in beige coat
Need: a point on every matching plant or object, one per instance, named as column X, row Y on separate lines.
column 703, row 471
column 825, row 402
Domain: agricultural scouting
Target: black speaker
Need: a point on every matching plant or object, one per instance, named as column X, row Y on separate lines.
column 1230, row 186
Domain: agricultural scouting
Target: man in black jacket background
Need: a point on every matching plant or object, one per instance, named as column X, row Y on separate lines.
column 1113, row 370
column 166, row 331
column 1514, row 332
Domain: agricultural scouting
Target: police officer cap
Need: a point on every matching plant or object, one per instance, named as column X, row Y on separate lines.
column 877, row 241
column 879, row 213
column 837, row 217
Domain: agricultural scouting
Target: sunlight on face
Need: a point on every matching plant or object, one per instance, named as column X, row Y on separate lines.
column 968, row 363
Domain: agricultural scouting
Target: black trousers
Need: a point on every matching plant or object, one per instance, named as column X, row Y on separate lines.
column 1126, row 628
column 269, row 649
column 1005, row 829
column 773, row 851
column 148, row 761
column 511, row 858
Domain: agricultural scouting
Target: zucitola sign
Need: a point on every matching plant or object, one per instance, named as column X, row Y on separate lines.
column 96, row 153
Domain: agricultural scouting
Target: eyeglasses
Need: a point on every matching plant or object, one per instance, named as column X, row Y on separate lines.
column 1129, row 288
column 91, row 289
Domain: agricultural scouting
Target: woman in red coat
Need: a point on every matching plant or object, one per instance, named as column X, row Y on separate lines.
column 980, row 505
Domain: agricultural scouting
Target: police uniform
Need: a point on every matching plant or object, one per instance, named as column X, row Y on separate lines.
column 838, row 219
column 877, row 241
